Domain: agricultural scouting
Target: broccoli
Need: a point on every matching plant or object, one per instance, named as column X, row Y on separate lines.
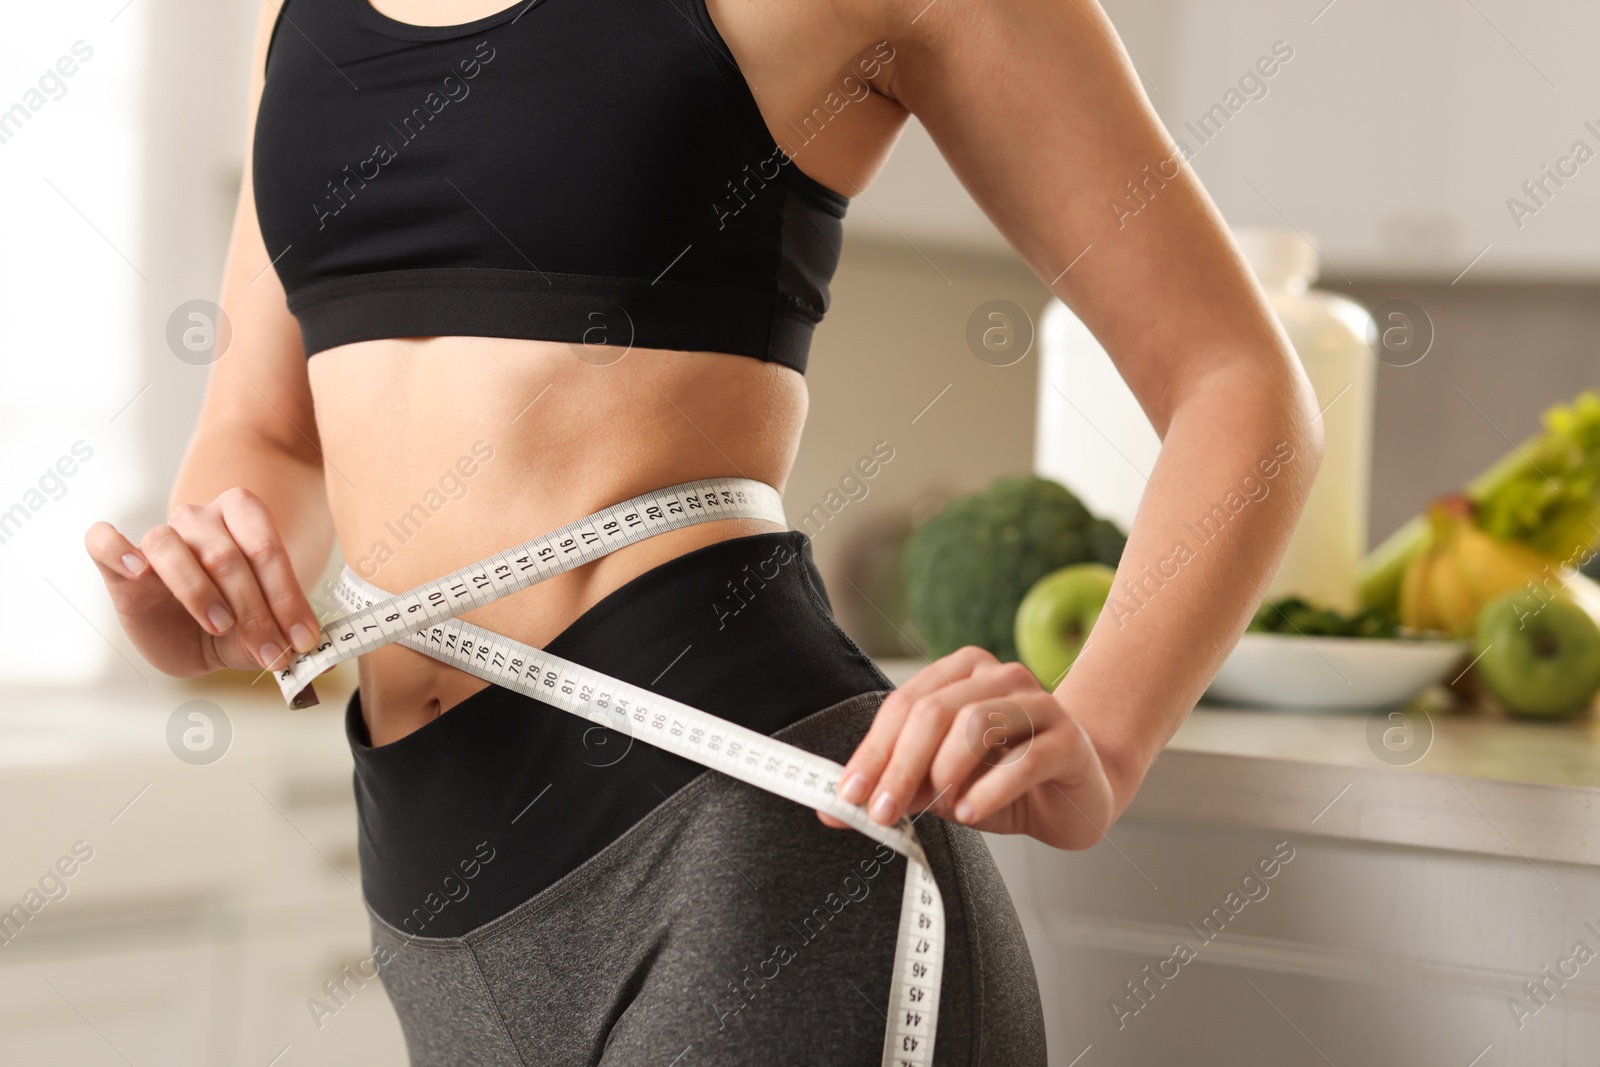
column 1294, row 615
column 969, row 566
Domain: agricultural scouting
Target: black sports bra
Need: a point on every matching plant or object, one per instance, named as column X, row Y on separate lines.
column 591, row 171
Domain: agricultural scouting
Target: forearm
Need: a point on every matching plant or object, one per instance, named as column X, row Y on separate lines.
column 225, row 456
column 1236, row 464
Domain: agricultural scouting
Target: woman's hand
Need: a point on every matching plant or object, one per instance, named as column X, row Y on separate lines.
column 212, row 588
column 980, row 741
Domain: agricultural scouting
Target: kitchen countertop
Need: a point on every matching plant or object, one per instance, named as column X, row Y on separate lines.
column 1487, row 784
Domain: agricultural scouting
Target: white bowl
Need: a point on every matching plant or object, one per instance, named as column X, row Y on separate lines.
column 1288, row 670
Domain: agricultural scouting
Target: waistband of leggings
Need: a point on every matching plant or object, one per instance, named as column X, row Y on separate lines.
column 739, row 628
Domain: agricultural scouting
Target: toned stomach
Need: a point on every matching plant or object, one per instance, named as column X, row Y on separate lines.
column 441, row 451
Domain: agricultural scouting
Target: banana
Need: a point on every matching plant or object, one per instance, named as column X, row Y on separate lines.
column 1416, row 604
column 1494, row 567
column 1455, row 602
column 1462, row 569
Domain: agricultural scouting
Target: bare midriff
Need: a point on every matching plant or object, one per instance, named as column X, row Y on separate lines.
column 441, row 451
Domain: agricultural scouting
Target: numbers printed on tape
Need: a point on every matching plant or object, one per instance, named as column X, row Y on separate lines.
column 528, row 564
column 424, row 619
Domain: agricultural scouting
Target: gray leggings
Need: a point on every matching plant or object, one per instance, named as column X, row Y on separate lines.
column 728, row 927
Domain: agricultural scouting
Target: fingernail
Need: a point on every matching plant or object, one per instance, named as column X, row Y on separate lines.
column 963, row 812
column 221, row 621
column 854, row 787
column 304, row 640
column 883, row 807
column 133, row 565
column 269, row 654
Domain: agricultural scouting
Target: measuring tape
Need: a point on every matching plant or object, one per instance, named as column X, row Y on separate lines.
column 423, row 619
column 527, row 564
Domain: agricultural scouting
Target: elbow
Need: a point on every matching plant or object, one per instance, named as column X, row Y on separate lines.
column 1280, row 413
column 1266, row 401
column 1304, row 426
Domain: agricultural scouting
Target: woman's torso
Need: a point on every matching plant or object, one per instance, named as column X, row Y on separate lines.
column 442, row 450
column 431, row 467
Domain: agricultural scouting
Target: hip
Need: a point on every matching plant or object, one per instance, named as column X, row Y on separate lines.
column 729, row 920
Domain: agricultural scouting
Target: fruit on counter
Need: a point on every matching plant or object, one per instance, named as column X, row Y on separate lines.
column 1462, row 569
column 968, row 568
column 1544, row 493
column 1582, row 591
column 1294, row 615
column 1538, row 658
column 1054, row 619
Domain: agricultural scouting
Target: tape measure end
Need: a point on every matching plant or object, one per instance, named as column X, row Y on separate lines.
column 306, row 698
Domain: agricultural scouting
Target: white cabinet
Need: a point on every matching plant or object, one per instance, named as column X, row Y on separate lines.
column 218, row 900
column 1355, row 953
column 1395, row 135
column 1398, row 131
column 1427, row 914
column 142, row 989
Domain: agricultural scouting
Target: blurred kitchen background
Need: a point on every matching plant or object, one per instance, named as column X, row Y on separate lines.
column 220, row 898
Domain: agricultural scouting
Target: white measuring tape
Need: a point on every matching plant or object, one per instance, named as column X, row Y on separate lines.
column 423, row 619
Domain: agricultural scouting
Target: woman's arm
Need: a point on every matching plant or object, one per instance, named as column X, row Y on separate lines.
column 1039, row 112
column 219, row 584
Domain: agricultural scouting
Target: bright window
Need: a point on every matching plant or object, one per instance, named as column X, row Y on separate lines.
column 71, row 287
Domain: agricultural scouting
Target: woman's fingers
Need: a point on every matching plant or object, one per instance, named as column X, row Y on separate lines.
column 133, row 584
column 212, row 587
column 251, row 528
column 954, row 739
column 114, row 554
column 872, row 755
column 936, row 737
column 923, row 731
column 1014, row 763
column 175, row 564
column 987, row 735
column 983, row 736
column 246, row 584
column 209, row 541
column 1063, row 755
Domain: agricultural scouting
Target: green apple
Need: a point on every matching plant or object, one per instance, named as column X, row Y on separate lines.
column 1054, row 619
column 1539, row 658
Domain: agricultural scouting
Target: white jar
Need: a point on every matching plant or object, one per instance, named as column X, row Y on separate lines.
column 1092, row 436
